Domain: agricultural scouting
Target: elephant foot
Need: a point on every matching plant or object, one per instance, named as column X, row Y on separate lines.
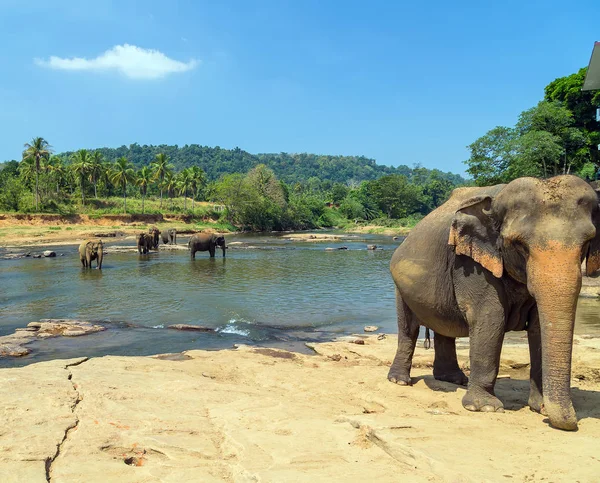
column 400, row 377
column 456, row 377
column 481, row 400
column 536, row 403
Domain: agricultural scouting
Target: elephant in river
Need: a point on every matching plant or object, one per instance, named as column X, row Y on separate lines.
column 492, row 260
column 91, row 250
column 169, row 237
column 154, row 233
column 144, row 242
column 201, row 242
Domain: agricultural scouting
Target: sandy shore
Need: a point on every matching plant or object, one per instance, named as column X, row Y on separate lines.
column 36, row 230
column 52, row 230
column 267, row 415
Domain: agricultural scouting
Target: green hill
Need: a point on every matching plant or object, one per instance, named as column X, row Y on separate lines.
column 290, row 168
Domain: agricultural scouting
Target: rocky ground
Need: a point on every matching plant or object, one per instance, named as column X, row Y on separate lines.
column 256, row 414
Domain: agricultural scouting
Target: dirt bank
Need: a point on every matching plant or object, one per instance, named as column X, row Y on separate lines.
column 268, row 415
column 54, row 229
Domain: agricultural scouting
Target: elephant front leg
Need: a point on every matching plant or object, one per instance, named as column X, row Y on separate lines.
column 534, row 338
column 408, row 331
column 486, row 333
column 445, row 364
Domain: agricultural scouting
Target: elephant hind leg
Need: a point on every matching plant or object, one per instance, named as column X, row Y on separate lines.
column 445, row 365
column 408, row 331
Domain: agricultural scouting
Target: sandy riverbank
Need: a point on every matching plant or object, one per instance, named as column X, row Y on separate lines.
column 50, row 230
column 266, row 415
column 36, row 230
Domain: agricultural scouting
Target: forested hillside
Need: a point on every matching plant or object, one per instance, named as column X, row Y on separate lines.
column 290, row 168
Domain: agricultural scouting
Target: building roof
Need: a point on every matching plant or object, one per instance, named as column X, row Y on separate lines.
column 592, row 78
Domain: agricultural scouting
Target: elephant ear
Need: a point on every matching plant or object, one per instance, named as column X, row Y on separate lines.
column 474, row 233
column 592, row 258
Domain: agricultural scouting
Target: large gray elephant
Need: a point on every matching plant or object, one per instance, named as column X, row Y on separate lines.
column 492, row 260
column 201, row 242
column 154, row 234
column 91, row 250
column 169, row 237
column 144, row 242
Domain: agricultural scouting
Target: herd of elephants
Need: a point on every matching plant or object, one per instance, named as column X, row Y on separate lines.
column 91, row 250
column 489, row 260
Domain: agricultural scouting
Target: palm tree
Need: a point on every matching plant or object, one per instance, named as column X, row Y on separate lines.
column 160, row 167
column 96, row 163
column 105, row 176
column 81, row 166
column 143, row 179
column 121, row 174
column 37, row 150
column 184, row 181
column 198, row 182
column 170, row 184
column 56, row 168
column 27, row 169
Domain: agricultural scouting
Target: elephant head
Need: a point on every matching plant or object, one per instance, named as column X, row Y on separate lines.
column 538, row 232
column 95, row 251
column 220, row 242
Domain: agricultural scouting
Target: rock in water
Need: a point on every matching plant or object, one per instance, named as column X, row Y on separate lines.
column 49, row 253
column 371, row 247
column 371, row 328
column 13, row 345
column 198, row 328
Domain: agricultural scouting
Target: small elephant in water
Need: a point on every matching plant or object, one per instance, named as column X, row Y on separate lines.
column 492, row 260
column 169, row 237
column 154, row 233
column 145, row 242
column 91, row 250
column 201, row 242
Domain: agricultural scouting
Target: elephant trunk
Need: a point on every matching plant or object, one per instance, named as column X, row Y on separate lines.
column 554, row 280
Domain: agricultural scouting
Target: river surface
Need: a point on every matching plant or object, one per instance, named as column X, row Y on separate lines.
column 279, row 293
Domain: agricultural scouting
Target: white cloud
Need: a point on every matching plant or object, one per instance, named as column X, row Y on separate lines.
column 131, row 61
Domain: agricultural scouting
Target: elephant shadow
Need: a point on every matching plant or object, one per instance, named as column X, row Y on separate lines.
column 438, row 386
column 514, row 393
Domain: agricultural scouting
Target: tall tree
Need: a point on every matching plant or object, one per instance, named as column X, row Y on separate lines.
column 122, row 174
column 184, row 182
column 170, row 184
column 396, row 196
column 161, row 167
column 96, row 167
column 198, row 182
column 37, row 150
column 491, row 155
column 143, row 180
column 81, row 165
column 57, row 170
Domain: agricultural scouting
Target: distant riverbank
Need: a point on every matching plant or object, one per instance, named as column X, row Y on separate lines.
column 21, row 229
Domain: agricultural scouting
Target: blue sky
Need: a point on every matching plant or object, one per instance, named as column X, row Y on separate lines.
column 401, row 82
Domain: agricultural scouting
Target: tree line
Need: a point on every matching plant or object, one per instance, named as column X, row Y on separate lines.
column 560, row 135
column 256, row 199
column 291, row 168
column 58, row 179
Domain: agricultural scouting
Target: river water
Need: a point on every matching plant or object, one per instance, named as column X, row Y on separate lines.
column 278, row 293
